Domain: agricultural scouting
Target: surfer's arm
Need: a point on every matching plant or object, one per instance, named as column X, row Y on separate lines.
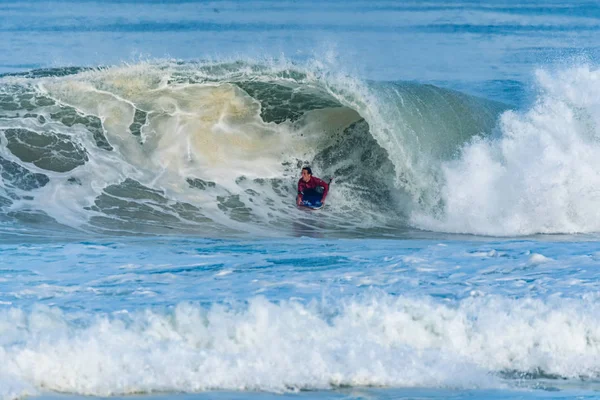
column 300, row 189
column 325, row 185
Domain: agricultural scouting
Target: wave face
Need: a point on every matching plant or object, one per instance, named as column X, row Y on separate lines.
column 215, row 149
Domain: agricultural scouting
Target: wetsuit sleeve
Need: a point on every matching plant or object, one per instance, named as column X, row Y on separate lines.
column 321, row 182
column 300, row 188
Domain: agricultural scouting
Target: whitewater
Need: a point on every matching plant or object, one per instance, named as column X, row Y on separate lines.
column 150, row 242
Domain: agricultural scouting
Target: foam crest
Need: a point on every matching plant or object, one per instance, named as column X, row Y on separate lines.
column 538, row 174
column 379, row 341
column 264, row 347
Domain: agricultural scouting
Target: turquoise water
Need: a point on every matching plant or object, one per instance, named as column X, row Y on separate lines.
column 149, row 155
column 377, row 318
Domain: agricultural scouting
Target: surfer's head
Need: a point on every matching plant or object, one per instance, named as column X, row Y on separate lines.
column 306, row 174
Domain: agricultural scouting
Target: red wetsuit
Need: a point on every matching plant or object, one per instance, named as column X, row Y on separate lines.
column 313, row 183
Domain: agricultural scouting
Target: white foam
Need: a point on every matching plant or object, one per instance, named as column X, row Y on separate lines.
column 265, row 347
column 536, row 258
column 381, row 341
column 13, row 388
column 539, row 174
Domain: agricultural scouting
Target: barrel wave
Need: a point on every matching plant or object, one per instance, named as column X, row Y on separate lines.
column 214, row 149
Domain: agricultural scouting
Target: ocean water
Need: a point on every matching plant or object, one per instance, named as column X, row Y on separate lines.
column 150, row 245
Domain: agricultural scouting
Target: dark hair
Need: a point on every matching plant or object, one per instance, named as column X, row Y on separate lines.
column 307, row 169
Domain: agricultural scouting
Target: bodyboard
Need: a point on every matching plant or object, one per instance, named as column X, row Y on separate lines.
column 309, row 206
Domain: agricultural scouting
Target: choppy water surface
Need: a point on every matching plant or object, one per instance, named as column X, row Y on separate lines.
column 128, row 316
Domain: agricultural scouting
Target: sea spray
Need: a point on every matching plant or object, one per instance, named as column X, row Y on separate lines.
column 538, row 174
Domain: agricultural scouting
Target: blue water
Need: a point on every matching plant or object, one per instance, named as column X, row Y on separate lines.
column 149, row 239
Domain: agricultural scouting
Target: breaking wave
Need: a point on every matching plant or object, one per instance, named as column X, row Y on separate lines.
column 215, row 149
column 480, row 342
